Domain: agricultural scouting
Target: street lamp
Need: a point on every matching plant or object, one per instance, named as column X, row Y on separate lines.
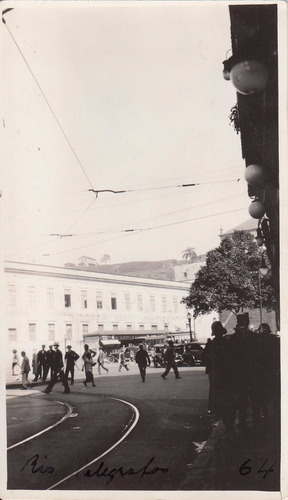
column 263, row 270
column 189, row 316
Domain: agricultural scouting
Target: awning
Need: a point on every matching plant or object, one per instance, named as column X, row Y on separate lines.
column 110, row 342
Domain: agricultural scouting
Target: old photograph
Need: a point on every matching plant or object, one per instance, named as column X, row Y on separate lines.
column 142, row 285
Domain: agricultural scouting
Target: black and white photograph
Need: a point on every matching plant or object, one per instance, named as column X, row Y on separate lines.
column 143, row 216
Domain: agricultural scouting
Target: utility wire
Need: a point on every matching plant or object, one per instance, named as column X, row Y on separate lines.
column 97, row 191
column 133, row 231
column 46, row 100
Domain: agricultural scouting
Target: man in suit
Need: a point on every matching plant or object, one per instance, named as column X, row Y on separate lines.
column 58, row 370
column 142, row 359
column 50, row 357
column 169, row 358
column 70, row 357
column 42, row 364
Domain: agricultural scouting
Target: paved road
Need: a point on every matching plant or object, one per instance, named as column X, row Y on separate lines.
column 154, row 431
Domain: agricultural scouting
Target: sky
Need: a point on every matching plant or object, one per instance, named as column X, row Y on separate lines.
column 124, row 97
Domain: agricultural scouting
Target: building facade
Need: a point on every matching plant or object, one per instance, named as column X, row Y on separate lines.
column 46, row 303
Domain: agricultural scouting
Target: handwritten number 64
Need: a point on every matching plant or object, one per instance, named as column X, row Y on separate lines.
column 246, row 469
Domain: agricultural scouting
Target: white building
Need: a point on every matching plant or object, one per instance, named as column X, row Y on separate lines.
column 46, row 303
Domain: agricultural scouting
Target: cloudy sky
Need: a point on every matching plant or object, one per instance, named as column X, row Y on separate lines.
column 125, row 97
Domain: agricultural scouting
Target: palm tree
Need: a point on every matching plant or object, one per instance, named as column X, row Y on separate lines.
column 105, row 258
column 189, row 253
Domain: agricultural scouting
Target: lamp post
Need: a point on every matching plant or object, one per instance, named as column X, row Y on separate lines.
column 189, row 321
column 263, row 270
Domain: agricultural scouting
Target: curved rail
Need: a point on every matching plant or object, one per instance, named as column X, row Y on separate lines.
column 136, row 418
column 67, row 415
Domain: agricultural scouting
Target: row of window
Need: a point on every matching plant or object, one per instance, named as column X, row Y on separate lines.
column 51, row 327
column 84, row 299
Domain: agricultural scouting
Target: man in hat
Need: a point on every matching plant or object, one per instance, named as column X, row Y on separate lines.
column 169, row 358
column 50, row 355
column 142, row 359
column 243, row 351
column 58, row 370
column 42, row 364
column 70, row 357
column 216, row 359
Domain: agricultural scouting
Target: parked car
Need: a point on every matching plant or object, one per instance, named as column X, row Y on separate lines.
column 195, row 350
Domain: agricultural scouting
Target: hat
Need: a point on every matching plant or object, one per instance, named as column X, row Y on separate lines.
column 243, row 319
column 56, row 344
column 217, row 328
column 69, row 346
column 141, row 345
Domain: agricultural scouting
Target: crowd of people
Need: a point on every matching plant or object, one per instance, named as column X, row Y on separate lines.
column 244, row 373
column 243, row 370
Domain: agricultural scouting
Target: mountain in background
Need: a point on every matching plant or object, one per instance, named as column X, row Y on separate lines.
column 161, row 269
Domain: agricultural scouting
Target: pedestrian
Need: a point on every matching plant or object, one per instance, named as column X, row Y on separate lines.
column 265, row 382
column 206, row 361
column 57, row 371
column 243, row 350
column 216, row 358
column 42, row 364
column 142, row 359
column 122, row 360
column 70, row 357
column 15, row 362
column 50, row 355
column 34, row 365
column 100, row 361
column 25, row 369
column 88, row 366
column 86, row 351
column 169, row 358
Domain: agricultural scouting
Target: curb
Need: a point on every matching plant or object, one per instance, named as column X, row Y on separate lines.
column 196, row 477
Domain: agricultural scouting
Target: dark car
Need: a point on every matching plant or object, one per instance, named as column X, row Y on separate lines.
column 194, row 349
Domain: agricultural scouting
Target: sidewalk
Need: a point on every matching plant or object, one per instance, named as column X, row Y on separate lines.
column 248, row 461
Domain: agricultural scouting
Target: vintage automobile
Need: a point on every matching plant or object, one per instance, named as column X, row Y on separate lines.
column 193, row 350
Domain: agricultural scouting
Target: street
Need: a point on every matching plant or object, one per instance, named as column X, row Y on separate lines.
column 159, row 425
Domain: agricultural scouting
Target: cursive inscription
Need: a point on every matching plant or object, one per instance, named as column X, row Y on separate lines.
column 32, row 463
column 103, row 471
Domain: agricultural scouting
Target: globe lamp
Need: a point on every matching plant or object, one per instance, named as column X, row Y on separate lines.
column 256, row 209
column 249, row 76
column 254, row 174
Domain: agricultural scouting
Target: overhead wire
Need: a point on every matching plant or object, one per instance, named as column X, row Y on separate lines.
column 138, row 231
column 47, row 102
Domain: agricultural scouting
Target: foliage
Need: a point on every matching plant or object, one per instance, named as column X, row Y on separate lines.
column 234, row 118
column 105, row 258
column 230, row 278
column 189, row 253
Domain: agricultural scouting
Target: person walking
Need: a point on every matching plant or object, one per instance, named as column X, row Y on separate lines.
column 169, row 358
column 100, row 361
column 122, row 360
column 15, row 362
column 142, row 359
column 57, row 371
column 70, row 357
column 86, row 351
column 50, row 355
column 25, row 369
column 88, row 366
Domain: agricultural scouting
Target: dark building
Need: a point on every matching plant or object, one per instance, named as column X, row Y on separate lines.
column 253, row 70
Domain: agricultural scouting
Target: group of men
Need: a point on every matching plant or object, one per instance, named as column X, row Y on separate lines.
column 244, row 373
column 44, row 361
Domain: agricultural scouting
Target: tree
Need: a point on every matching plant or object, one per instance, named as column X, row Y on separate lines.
column 105, row 258
column 189, row 253
column 230, row 278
